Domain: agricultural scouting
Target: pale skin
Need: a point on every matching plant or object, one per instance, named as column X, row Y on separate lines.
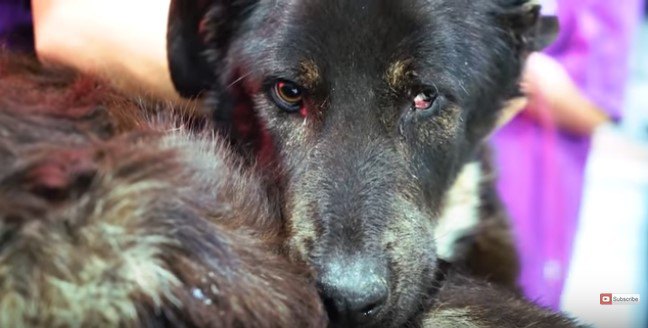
column 125, row 41
column 549, row 87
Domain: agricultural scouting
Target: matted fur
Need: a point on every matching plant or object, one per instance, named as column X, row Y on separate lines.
column 115, row 213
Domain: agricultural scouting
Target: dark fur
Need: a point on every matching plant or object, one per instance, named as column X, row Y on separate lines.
column 467, row 302
column 363, row 177
column 488, row 249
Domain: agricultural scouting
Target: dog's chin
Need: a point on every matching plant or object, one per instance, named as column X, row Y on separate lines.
column 407, row 311
column 407, row 305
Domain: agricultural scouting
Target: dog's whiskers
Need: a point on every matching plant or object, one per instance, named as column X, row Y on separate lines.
column 239, row 79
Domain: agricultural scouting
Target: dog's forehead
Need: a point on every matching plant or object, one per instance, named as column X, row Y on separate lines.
column 358, row 39
column 346, row 30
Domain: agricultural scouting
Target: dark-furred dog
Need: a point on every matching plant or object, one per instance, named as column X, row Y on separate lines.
column 366, row 116
column 120, row 212
column 374, row 112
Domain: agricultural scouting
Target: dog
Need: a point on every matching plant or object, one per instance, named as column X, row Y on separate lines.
column 127, row 211
column 369, row 133
column 371, row 117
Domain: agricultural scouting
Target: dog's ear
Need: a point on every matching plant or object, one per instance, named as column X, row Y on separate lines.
column 198, row 35
column 544, row 33
column 190, row 71
column 530, row 31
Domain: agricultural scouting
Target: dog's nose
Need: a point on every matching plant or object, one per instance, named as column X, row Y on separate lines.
column 353, row 295
column 354, row 303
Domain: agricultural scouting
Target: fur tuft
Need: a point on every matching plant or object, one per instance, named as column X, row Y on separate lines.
column 146, row 223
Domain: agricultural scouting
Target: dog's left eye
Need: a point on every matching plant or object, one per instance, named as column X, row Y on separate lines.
column 287, row 95
column 425, row 100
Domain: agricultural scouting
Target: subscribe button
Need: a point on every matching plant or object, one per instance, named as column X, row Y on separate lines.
column 619, row 299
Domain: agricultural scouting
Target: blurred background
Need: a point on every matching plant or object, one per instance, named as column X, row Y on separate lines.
column 611, row 247
column 579, row 195
column 573, row 166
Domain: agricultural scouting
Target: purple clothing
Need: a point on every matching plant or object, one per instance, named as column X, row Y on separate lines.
column 16, row 24
column 541, row 168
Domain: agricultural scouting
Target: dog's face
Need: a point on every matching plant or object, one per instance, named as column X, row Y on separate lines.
column 372, row 107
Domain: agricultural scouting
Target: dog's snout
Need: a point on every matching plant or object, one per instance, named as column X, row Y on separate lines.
column 354, row 294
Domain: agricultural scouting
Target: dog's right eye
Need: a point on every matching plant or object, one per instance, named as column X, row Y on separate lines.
column 287, row 95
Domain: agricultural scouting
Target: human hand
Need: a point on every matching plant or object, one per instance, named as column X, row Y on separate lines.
column 122, row 40
column 555, row 98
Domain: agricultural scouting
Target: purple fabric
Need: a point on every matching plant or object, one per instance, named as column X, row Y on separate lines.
column 12, row 13
column 541, row 168
column 15, row 24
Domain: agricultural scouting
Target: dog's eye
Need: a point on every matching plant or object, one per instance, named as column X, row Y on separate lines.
column 425, row 100
column 287, row 95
